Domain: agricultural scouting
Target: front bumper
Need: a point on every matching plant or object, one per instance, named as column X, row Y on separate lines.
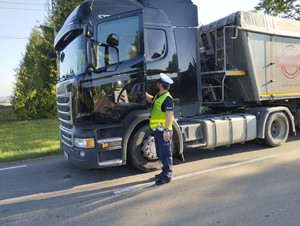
column 108, row 152
column 92, row 157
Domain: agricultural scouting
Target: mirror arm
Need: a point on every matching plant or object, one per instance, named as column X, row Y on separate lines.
column 100, row 43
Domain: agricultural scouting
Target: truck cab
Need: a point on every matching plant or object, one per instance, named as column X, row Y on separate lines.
column 110, row 53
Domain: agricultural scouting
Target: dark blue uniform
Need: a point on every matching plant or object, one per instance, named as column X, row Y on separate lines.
column 163, row 148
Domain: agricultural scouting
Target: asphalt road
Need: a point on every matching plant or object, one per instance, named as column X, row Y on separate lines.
column 242, row 185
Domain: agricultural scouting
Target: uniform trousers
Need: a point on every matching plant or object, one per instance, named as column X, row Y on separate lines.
column 164, row 152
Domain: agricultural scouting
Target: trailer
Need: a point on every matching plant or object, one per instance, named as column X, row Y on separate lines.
column 235, row 80
column 255, row 55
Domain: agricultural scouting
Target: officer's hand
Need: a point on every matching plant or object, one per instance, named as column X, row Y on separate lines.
column 166, row 136
column 149, row 98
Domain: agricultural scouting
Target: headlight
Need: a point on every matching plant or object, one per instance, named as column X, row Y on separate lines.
column 84, row 143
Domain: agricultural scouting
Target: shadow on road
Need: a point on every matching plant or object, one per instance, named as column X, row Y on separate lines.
column 59, row 175
column 196, row 154
column 48, row 188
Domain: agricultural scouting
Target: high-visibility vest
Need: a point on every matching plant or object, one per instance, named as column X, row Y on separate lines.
column 157, row 116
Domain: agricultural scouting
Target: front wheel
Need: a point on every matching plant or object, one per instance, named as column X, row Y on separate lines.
column 142, row 151
column 277, row 129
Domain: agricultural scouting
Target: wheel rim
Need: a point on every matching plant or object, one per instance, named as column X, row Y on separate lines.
column 148, row 148
column 277, row 129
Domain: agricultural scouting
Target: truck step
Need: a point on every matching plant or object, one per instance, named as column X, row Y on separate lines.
column 196, row 144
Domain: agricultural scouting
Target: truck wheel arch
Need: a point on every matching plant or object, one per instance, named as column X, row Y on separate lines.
column 277, row 129
column 143, row 119
column 263, row 114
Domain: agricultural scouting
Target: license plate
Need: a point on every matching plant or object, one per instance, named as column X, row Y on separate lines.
column 66, row 155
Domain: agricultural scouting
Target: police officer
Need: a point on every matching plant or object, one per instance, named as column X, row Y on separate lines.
column 161, row 118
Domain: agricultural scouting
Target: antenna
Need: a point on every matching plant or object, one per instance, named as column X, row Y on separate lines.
column 92, row 5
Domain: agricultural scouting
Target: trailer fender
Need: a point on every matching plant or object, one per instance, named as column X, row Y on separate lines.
column 262, row 115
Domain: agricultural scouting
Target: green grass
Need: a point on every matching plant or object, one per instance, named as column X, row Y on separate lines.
column 21, row 140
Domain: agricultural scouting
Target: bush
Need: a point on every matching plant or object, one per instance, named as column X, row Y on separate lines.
column 7, row 113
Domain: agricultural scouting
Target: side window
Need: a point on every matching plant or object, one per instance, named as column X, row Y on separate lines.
column 156, row 44
column 130, row 94
column 120, row 40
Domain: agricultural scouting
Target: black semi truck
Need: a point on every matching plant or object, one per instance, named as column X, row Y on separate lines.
column 235, row 80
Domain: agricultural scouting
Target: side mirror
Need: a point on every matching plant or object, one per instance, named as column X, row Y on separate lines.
column 88, row 31
column 113, row 40
column 112, row 55
column 52, row 54
column 89, row 51
column 102, row 54
column 90, row 56
column 62, row 57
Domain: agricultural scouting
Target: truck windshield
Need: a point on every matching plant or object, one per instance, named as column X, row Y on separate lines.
column 126, row 44
column 73, row 56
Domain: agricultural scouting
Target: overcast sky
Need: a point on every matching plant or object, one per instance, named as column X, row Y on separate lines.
column 18, row 17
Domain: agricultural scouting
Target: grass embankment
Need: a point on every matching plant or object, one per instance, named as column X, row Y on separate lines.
column 21, row 140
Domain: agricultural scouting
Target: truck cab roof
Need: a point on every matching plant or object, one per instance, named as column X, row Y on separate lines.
column 92, row 10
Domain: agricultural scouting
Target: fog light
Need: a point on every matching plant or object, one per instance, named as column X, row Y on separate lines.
column 84, row 143
column 112, row 143
column 82, row 154
column 105, row 145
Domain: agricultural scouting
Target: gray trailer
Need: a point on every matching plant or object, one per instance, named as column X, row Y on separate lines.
column 250, row 64
column 248, row 58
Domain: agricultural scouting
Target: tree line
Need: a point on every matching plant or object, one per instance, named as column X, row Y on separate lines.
column 36, row 75
column 283, row 8
column 5, row 100
column 34, row 91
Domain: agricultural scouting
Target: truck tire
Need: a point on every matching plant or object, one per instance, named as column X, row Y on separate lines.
column 276, row 130
column 146, row 162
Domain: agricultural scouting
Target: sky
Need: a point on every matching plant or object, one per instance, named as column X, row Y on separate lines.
column 19, row 17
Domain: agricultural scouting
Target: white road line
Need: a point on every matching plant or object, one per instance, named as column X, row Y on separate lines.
column 146, row 185
column 124, row 190
column 224, row 167
column 13, row 167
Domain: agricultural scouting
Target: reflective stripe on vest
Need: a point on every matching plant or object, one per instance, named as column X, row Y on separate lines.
column 157, row 116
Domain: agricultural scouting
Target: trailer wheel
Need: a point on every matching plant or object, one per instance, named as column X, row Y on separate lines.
column 141, row 150
column 277, row 129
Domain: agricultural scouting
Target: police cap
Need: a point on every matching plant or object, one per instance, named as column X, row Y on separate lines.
column 164, row 79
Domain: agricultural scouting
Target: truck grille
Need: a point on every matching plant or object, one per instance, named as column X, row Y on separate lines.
column 64, row 109
column 64, row 105
column 66, row 137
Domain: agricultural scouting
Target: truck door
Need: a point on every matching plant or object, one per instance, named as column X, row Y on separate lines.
column 118, row 81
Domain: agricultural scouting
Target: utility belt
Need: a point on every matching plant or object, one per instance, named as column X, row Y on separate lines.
column 159, row 128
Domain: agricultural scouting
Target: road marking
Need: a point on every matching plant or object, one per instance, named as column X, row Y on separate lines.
column 13, row 167
column 224, row 167
column 146, row 185
column 124, row 190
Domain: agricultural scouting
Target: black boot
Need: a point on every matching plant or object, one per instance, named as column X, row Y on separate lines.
column 163, row 180
column 158, row 176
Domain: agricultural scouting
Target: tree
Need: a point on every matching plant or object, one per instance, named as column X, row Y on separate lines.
column 34, row 92
column 282, row 8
